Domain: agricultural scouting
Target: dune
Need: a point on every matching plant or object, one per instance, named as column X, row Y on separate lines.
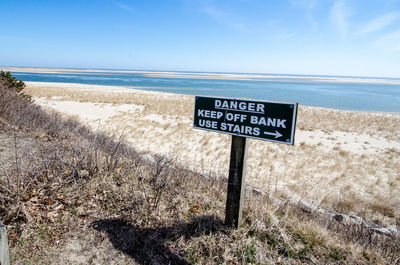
column 345, row 160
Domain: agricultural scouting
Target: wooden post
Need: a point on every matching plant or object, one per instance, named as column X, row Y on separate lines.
column 4, row 255
column 237, row 173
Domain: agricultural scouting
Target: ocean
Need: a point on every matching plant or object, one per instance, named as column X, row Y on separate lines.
column 346, row 93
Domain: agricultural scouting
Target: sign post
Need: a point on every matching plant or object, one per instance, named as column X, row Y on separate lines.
column 237, row 173
column 4, row 255
column 271, row 121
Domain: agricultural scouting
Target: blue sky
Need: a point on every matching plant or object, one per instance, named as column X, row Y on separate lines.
column 326, row 37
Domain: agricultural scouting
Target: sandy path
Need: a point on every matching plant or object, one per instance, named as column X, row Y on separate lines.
column 347, row 160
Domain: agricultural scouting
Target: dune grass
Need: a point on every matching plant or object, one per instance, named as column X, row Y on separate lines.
column 71, row 195
column 323, row 165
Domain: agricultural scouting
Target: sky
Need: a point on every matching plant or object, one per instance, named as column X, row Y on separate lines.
column 312, row 37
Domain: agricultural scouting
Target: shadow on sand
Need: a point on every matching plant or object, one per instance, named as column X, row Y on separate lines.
column 146, row 246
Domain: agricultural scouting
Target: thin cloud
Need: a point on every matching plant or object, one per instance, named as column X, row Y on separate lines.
column 379, row 23
column 223, row 17
column 395, row 49
column 243, row 23
column 389, row 42
column 339, row 16
column 125, row 7
column 309, row 6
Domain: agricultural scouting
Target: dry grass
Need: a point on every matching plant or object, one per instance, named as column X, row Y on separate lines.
column 332, row 152
column 72, row 196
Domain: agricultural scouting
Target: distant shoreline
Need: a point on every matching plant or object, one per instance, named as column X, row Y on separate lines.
column 210, row 75
column 141, row 90
column 362, row 94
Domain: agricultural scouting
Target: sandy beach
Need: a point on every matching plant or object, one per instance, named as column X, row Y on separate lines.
column 342, row 159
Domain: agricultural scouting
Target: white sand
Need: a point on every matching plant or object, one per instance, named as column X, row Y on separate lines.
column 351, row 142
column 88, row 111
column 340, row 157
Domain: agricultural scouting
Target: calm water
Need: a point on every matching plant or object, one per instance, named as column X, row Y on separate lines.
column 340, row 95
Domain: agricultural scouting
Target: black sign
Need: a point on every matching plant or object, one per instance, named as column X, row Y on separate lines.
column 272, row 121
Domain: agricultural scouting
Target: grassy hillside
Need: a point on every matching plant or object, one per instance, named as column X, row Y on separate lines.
column 69, row 195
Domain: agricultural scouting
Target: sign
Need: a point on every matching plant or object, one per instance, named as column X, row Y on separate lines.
column 271, row 121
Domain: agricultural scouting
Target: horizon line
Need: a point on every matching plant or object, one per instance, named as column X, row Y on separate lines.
column 199, row 72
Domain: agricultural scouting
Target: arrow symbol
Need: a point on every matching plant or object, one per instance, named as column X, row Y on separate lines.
column 276, row 134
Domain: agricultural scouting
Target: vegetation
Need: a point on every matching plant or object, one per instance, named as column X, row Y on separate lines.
column 69, row 195
column 330, row 166
column 8, row 80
